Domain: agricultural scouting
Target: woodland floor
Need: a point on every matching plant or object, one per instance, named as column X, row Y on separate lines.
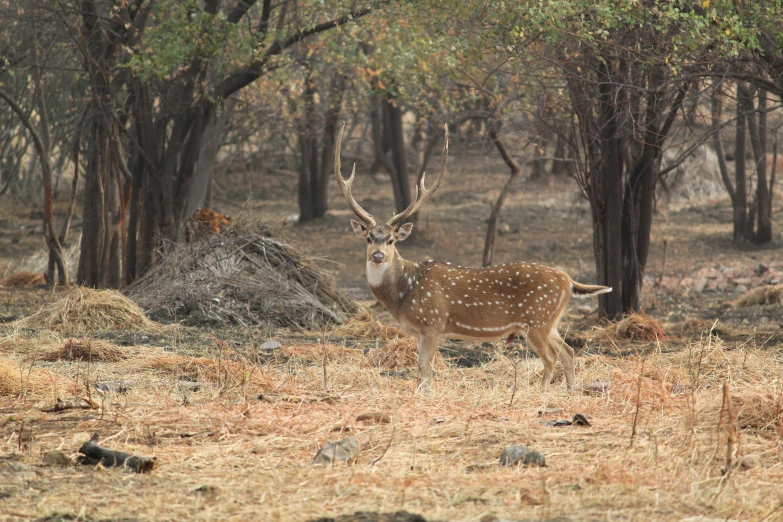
column 239, row 448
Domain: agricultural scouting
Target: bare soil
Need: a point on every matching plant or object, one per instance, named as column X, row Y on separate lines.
column 234, row 438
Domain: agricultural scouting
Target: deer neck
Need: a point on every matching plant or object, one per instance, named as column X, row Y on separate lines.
column 390, row 282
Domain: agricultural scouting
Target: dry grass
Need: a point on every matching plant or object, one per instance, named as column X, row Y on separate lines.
column 23, row 279
column 363, row 326
column 81, row 349
column 400, row 353
column 224, row 454
column 762, row 295
column 85, row 310
column 635, row 327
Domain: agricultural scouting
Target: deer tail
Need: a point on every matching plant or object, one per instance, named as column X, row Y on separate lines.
column 580, row 290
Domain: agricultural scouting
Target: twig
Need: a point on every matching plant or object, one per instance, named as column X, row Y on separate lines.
column 638, row 401
column 386, row 449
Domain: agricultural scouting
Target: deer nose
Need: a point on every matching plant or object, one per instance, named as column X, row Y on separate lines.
column 377, row 257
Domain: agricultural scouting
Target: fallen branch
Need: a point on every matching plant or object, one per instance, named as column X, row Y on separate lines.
column 92, row 454
column 60, row 405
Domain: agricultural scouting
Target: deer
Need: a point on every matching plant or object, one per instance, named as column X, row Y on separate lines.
column 433, row 299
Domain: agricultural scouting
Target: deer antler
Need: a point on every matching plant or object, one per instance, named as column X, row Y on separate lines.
column 345, row 185
column 420, row 194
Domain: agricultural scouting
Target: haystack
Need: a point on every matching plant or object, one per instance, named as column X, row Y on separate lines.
column 88, row 310
column 762, row 295
column 241, row 276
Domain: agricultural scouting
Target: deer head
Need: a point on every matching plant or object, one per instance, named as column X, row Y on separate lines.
column 381, row 239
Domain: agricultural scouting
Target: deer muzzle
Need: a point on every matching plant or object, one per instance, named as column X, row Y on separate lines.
column 377, row 257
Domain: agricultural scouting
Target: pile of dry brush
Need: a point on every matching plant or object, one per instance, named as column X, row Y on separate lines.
column 242, row 276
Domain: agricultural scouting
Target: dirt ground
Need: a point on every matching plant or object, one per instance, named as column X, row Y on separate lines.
column 234, row 424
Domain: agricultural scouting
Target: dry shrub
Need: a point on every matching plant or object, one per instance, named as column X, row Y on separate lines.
column 637, row 327
column 762, row 295
column 692, row 325
column 16, row 379
column 363, row 326
column 84, row 349
column 23, row 279
column 87, row 310
column 756, row 408
column 221, row 370
column 402, row 352
column 312, row 352
column 242, row 276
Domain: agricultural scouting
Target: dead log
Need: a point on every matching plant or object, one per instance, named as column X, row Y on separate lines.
column 93, row 454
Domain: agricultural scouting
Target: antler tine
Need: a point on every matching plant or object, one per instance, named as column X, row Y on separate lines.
column 345, row 185
column 421, row 194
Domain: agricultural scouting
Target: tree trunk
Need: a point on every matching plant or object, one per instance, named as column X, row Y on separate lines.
column 494, row 218
column 211, row 139
column 740, row 182
column 399, row 158
column 608, row 210
column 757, row 127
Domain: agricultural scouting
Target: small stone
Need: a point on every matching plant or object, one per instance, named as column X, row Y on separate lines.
column 57, row 458
column 740, row 289
column 344, row 451
column 375, row 417
column 749, row 461
column 585, row 309
column 518, row 454
column 700, row 284
column 596, row 388
column 271, row 344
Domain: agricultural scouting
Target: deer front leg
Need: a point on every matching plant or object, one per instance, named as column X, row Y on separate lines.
column 428, row 346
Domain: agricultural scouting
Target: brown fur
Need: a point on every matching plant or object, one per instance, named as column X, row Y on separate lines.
column 433, row 299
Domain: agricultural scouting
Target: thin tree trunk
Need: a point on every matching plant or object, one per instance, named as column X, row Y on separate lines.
column 52, row 241
column 740, row 182
column 494, row 218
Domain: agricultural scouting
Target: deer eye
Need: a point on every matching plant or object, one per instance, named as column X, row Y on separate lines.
column 369, row 240
column 391, row 242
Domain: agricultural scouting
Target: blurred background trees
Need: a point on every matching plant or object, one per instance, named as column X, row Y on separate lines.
column 143, row 106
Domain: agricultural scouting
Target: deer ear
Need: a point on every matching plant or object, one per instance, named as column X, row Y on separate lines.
column 403, row 232
column 359, row 229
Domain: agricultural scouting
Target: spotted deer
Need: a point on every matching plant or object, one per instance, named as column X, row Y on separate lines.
column 432, row 299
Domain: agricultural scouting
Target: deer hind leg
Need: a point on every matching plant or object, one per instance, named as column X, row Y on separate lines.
column 566, row 356
column 428, row 347
column 540, row 343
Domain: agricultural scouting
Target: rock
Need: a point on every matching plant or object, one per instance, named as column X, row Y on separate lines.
column 271, row 344
column 749, row 461
column 504, row 229
column 518, row 454
column 372, row 516
column 585, row 309
column 742, row 281
column 760, row 269
column 700, row 284
column 344, row 451
column 740, row 289
column 57, row 458
column 551, row 411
